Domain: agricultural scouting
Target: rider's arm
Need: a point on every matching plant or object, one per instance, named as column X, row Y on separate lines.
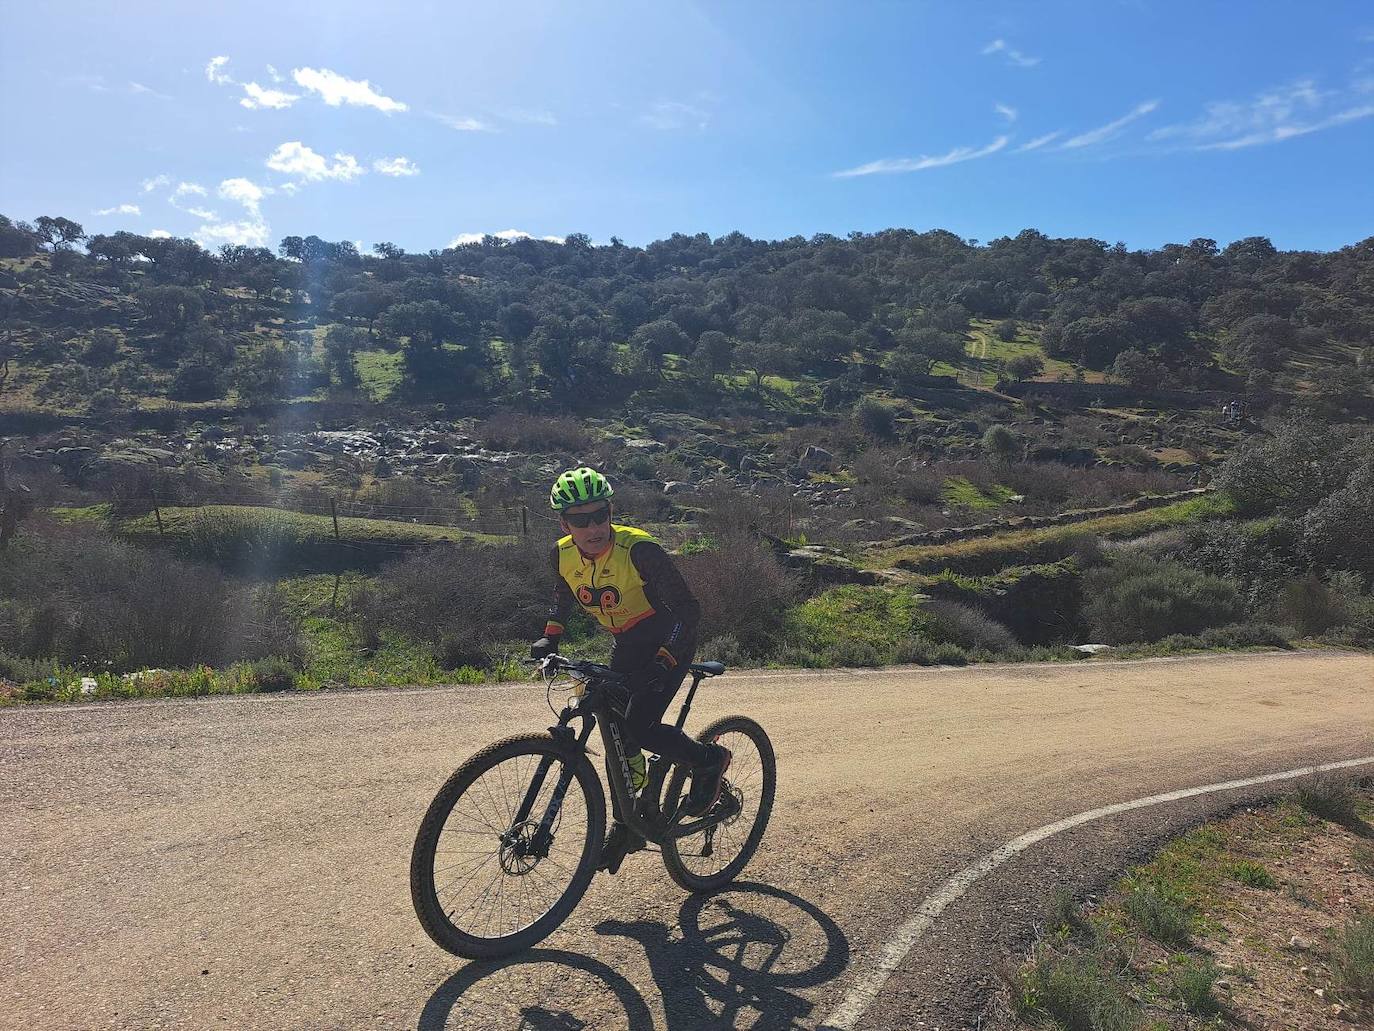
column 562, row 607
column 668, row 592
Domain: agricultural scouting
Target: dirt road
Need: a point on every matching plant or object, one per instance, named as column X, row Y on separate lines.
column 242, row 862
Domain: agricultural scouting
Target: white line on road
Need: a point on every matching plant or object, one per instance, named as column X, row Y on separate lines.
column 862, row 994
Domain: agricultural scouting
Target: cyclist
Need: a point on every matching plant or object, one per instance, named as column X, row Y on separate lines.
column 624, row 579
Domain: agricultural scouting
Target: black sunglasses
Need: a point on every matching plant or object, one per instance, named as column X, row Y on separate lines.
column 582, row 520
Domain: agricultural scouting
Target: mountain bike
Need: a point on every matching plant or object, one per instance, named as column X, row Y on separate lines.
column 512, row 840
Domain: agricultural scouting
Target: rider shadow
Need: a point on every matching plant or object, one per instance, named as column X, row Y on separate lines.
column 734, row 966
column 731, row 961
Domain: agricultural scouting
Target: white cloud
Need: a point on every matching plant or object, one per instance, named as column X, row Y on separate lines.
column 1013, row 56
column 1277, row 114
column 276, row 76
column 185, row 189
column 214, row 71
column 160, row 234
column 889, row 166
column 1006, row 111
column 1040, row 141
column 295, row 158
column 1279, row 133
column 667, row 115
column 504, row 234
column 247, row 233
column 121, row 209
column 464, row 124
column 243, row 191
column 201, row 212
column 156, row 182
column 1105, row 132
column 138, row 87
column 395, row 166
column 290, row 189
column 334, row 89
column 256, row 96
column 180, row 200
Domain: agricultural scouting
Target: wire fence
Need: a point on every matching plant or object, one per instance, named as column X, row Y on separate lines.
column 514, row 520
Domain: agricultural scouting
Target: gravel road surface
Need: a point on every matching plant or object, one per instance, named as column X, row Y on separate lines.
column 242, row 862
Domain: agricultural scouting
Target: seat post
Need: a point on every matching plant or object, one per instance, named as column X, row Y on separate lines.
column 687, row 702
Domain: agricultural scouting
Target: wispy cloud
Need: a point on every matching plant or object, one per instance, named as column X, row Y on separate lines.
column 335, row 89
column 667, row 115
column 121, row 209
column 181, row 200
column 505, row 234
column 463, row 124
column 256, row 96
column 249, row 231
column 214, row 71
column 138, row 87
column 1039, row 141
column 159, row 234
column 156, row 182
column 891, row 166
column 1105, row 132
column 1013, row 56
column 1272, row 116
column 1006, row 111
column 400, row 166
column 528, row 117
column 295, row 158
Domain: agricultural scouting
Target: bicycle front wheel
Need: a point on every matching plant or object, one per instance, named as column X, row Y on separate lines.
column 487, row 883
column 713, row 858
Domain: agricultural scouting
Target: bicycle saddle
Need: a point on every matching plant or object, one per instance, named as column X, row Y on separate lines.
column 708, row 669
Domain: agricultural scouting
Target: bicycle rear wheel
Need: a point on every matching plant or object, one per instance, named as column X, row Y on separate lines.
column 485, row 885
column 715, row 857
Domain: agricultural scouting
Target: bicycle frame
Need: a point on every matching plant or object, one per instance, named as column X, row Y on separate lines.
column 642, row 815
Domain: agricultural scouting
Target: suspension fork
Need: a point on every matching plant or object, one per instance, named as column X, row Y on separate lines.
column 562, row 735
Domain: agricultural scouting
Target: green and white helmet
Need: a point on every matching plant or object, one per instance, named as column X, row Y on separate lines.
column 578, row 487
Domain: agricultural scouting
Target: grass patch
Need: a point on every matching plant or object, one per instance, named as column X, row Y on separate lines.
column 1047, row 544
column 958, row 491
column 268, row 540
column 1331, row 797
column 1159, row 911
column 1252, row 874
column 1076, row 991
column 1192, row 981
column 379, row 372
column 1352, row 958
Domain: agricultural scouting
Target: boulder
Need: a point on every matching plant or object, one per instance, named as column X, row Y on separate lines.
column 816, row 459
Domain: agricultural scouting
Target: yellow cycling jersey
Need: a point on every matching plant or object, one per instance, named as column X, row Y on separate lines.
column 608, row 587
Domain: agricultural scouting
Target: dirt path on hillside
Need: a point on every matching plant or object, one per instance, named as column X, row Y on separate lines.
column 242, row 862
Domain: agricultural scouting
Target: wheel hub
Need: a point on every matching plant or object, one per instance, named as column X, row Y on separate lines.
column 518, row 854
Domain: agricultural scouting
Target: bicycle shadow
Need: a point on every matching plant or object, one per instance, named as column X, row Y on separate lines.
column 732, row 960
column 734, row 965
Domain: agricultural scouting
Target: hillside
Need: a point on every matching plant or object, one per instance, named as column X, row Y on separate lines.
column 875, row 410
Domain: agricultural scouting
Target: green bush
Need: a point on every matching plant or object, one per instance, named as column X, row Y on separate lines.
column 1159, row 911
column 1353, row 958
column 1252, row 874
column 1192, row 985
column 1138, row 599
column 1076, row 991
column 274, row 673
column 968, row 627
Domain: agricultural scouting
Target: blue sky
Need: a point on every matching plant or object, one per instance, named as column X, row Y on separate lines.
column 1145, row 122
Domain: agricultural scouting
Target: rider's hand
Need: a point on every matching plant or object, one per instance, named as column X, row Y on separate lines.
column 542, row 647
column 650, row 677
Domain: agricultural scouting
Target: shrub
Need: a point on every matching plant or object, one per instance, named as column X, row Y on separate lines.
column 1244, row 635
column 461, row 603
column 1158, row 911
column 1006, row 330
column 1329, row 535
column 76, row 595
column 744, row 592
column 1025, row 366
column 1137, row 599
column 1192, row 985
column 875, row 418
column 1000, row 442
column 1290, row 471
column 535, row 434
column 1353, row 958
column 273, row 673
column 1331, row 797
column 1075, row 991
column 968, row 627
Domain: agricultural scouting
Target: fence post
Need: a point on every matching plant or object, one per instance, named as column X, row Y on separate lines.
column 525, row 520
column 157, row 514
column 338, row 550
